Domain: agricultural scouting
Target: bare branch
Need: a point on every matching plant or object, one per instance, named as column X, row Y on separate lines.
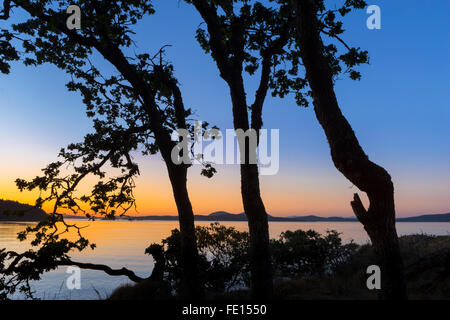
column 267, row 55
column 358, row 208
column 101, row 267
column 337, row 38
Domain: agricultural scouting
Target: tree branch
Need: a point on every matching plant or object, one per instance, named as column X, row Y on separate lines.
column 112, row 53
column 171, row 84
column 275, row 48
column 218, row 49
column 358, row 208
column 6, row 10
column 108, row 270
column 261, row 93
column 337, row 38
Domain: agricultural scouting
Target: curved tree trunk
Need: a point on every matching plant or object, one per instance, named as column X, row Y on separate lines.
column 349, row 158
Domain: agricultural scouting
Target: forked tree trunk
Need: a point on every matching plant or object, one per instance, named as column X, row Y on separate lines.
column 348, row 156
column 231, row 69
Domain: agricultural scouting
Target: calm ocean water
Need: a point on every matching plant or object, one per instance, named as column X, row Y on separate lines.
column 122, row 244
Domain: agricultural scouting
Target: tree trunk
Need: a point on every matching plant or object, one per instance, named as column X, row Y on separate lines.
column 348, row 156
column 192, row 287
column 260, row 258
column 261, row 266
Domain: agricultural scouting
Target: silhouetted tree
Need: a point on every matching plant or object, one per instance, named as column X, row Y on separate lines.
column 322, row 64
column 137, row 108
column 242, row 36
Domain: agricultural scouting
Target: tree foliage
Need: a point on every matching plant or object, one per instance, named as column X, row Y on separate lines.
column 261, row 36
column 342, row 57
column 134, row 110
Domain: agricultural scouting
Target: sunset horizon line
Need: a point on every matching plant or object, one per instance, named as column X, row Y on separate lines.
column 275, row 216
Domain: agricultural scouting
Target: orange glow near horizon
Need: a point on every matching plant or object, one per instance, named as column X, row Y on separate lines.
column 289, row 193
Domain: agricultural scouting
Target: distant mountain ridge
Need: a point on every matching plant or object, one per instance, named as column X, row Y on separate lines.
column 443, row 217
column 15, row 211
column 226, row 216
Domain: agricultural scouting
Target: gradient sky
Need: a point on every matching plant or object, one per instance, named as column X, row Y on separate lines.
column 399, row 111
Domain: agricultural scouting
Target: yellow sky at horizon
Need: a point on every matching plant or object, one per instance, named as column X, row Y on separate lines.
column 290, row 192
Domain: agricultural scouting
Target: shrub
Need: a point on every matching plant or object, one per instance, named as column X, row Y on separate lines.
column 303, row 253
column 224, row 263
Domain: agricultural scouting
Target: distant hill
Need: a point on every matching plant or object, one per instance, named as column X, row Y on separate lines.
column 15, row 211
column 226, row 216
column 221, row 216
column 444, row 217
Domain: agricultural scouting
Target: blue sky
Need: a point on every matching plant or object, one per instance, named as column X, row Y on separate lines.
column 399, row 111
